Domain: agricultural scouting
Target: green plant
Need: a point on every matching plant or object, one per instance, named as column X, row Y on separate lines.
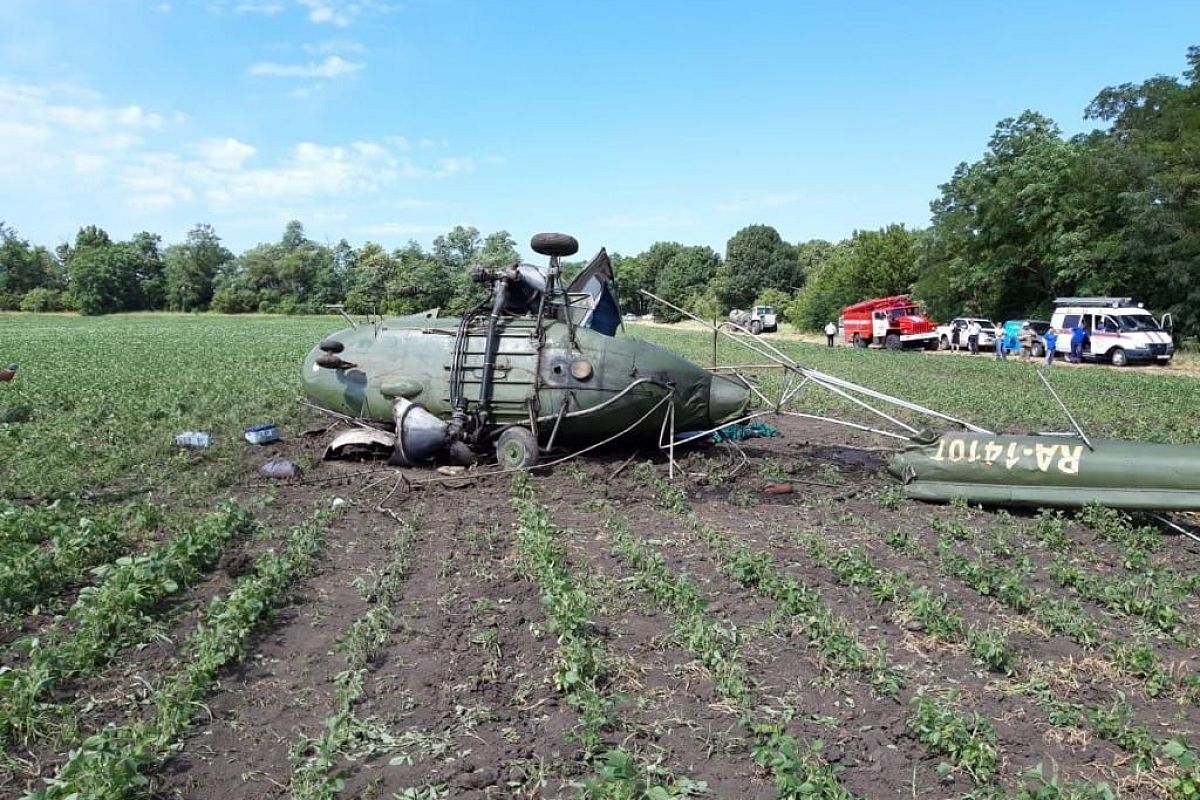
column 967, row 740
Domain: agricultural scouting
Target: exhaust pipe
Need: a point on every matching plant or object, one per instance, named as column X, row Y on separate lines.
column 419, row 434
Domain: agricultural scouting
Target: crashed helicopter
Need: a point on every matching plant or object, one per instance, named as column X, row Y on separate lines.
column 541, row 363
column 536, row 365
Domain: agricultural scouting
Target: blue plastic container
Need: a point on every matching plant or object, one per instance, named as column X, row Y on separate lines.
column 262, row 434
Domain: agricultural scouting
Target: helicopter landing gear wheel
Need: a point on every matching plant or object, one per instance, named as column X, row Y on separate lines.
column 517, row 448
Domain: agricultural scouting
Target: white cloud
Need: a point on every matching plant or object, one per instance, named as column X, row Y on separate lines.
column 330, row 12
column 226, row 153
column 331, row 67
column 453, row 166
column 44, row 128
column 89, row 162
column 64, row 142
column 162, row 8
column 334, row 46
column 268, row 9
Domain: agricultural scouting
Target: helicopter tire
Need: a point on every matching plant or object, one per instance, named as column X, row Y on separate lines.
column 517, row 448
column 554, row 244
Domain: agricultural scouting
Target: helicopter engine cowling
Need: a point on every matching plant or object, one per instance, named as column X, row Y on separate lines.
column 419, row 434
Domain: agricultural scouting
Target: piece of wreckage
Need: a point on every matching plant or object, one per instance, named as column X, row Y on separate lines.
column 548, row 366
column 538, row 365
column 965, row 461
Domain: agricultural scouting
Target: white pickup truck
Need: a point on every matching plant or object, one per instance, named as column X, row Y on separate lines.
column 756, row 320
column 954, row 333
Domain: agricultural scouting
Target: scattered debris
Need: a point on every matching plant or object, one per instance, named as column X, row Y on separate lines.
column 778, row 488
column 359, row 440
column 737, row 433
column 8, row 373
column 262, row 434
column 280, row 468
column 197, row 440
column 451, row 471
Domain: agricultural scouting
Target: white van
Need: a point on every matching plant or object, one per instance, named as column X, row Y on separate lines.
column 1119, row 330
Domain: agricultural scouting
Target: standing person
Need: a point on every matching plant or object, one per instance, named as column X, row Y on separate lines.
column 1051, row 342
column 1078, row 334
column 999, row 342
column 973, row 331
column 830, row 332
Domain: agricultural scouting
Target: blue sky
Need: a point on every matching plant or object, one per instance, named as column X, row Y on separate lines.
column 623, row 123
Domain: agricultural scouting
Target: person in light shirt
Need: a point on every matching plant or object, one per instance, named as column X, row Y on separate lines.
column 830, row 332
column 973, row 331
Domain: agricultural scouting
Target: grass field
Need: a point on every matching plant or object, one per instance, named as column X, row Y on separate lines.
column 174, row 625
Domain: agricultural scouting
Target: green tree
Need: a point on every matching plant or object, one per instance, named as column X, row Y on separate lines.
column 22, row 268
column 191, row 269
column 374, row 270
column 756, row 258
column 104, row 276
column 457, row 248
column 869, row 264
column 150, row 276
column 684, row 278
column 1153, row 150
column 420, row 281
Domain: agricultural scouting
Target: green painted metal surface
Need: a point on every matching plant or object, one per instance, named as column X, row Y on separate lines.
column 1051, row 471
column 412, row 357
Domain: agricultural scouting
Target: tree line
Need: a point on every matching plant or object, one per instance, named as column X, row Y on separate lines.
column 1115, row 212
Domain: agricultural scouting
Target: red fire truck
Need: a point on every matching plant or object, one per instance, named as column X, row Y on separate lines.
column 892, row 322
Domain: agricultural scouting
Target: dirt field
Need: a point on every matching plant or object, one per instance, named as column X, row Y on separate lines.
column 458, row 695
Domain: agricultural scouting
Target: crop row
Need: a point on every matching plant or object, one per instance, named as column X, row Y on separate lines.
column 582, row 670
column 1150, row 593
column 853, row 567
column 111, row 763
column 1113, row 722
column 995, row 572
column 831, row 635
column 316, row 773
column 108, row 617
column 936, row 719
column 796, row 766
column 46, row 549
